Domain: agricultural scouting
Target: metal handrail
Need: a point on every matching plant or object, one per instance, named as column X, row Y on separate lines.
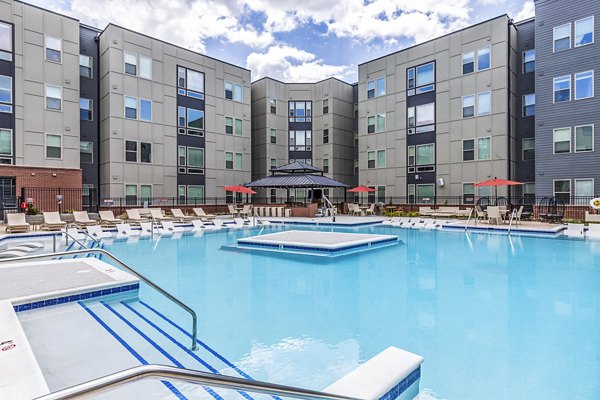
column 130, row 270
column 105, row 383
column 513, row 214
column 67, row 235
column 469, row 219
column 331, row 207
column 74, row 225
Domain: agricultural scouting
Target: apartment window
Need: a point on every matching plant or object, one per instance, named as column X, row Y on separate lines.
column 529, row 105
column 145, row 152
column 130, row 107
column 6, row 94
column 53, row 146
column 300, row 140
column 468, row 106
column 326, row 106
column 273, row 104
column 181, row 116
column 484, row 148
column 410, row 115
column 371, row 159
column 562, row 88
column 562, row 37
column 425, row 154
column 130, row 64
column 371, row 124
column 195, row 118
column 529, row 190
column 528, row 149
column 410, row 190
column 53, row 49
column 130, row 151
column 85, row 66
column 273, row 135
column 6, row 146
column 191, row 80
column 6, row 42
column 53, row 97
column 326, row 165
column 468, row 62
column 380, row 158
column 356, row 167
column 229, row 125
column 380, row 123
column 584, row 85
column 196, row 193
column 425, row 114
column 584, row 138
column 410, row 78
column 146, row 193
column 370, row 89
column 483, row 58
column 584, row 187
column 584, row 31
column 355, row 139
column 234, row 91
column 426, row 192
column 238, row 127
column 484, row 103
column 145, row 67
column 355, row 110
column 85, row 109
column 228, row 160
column 86, row 152
column 273, row 164
column 145, row 110
column 300, row 111
column 411, row 156
column 425, row 77
column 325, row 136
column 381, row 194
column 182, row 156
column 130, row 194
column 238, row 161
column 468, row 150
column 468, row 193
column 195, row 158
column 562, row 189
column 562, row 140
column 381, row 86
column 528, row 61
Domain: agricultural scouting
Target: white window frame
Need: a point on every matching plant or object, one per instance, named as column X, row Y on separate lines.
column 523, row 105
column 377, row 94
column 91, row 109
column 12, row 95
column 490, row 57
column 139, row 111
column 575, row 138
column 46, row 47
column 462, row 110
column 525, row 62
column 46, row 98
column 575, row 85
column 554, row 186
column 137, row 151
column 477, row 141
column 91, row 67
column 523, row 148
column 46, row 146
column 562, row 78
column 462, row 65
column 478, row 113
column 554, row 36
column 583, row 179
column 92, row 143
column 575, row 31
column 474, row 150
column 374, row 152
column 377, row 158
column 12, row 143
column 377, row 122
column 235, row 157
column 137, row 70
column 570, row 140
column 139, row 67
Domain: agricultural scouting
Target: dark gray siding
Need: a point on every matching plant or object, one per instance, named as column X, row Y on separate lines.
column 549, row 166
column 89, row 89
column 355, row 179
column 524, row 126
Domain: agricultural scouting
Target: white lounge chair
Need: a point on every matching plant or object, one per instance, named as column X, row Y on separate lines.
column 125, row 230
column 97, row 232
column 21, row 248
column 239, row 223
column 133, row 215
column 246, row 210
column 574, row 231
column 16, row 223
column 169, row 226
column 52, row 221
column 74, row 232
column 232, row 210
column 518, row 215
column 107, row 218
column 200, row 213
column 82, row 219
column 32, row 245
column 198, row 225
column 421, row 223
column 434, row 224
column 218, row 223
column 593, row 231
column 12, row 253
column 392, row 221
column 158, row 215
column 146, row 228
column 178, row 214
column 480, row 214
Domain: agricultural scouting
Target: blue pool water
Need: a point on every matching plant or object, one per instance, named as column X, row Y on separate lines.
column 495, row 317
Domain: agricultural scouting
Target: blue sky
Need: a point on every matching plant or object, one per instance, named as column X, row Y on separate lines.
column 277, row 39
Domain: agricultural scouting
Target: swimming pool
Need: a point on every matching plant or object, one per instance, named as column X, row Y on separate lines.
column 494, row 316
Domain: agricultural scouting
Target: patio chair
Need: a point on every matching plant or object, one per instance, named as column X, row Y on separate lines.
column 370, row 210
column 200, row 213
column 426, row 211
column 574, row 231
column 353, row 209
column 169, row 226
column 177, row 213
column 133, row 215
column 82, row 219
column 97, row 232
column 519, row 214
column 16, row 223
column 158, row 215
column 232, row 210
column 479, row 213
column 493, row 213
column 107, row 218
column 246, row 210
column 593, row 231
column 126, row 230
column 52, row 221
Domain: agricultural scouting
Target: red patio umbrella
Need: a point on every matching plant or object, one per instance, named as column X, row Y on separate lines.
column 361, row 189
column 498, row 182
column 239, row 189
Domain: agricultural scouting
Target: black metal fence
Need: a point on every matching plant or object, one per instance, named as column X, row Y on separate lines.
column 60, row 199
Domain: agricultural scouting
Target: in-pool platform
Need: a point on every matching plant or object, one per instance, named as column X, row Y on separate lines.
column 315, row 243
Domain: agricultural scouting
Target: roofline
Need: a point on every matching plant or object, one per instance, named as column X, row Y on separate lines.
column 47, row 10
column 523, row 21
column 93, row 28
column 436, row 38
column 304, row 83
column 175, row 45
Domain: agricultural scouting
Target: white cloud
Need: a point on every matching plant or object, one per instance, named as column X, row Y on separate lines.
column 527, row 11
column 290, row 64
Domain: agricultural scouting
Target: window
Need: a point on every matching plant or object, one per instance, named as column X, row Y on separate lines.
column 85, row 109
column 229, row 90
column 86, row 152
column 484, row 103
column 273, row 135
column 484, row 191
column 529, row 105
column 53, row 97
column 425, row 154
column 380, row 123
column 195, row 193
column 380, row 158
column 528, row 61
column 326, row 106
column 411, row 156
column 425, row 114
column 273, row 103
column 130, row 151
column 195, row 118
column 85, row 66
column 410, row 115
column 53, row 49
column 562, row 140
column 195, row 157
column 584, row 138
column 584, row 31
column 584, row 85
column 529, row 190
column 468, row 150
column 191, row 80
column 229, row 125
column 410, row 190
column 356, row 139
column 356, row 167
column 300, row 111
column 562, row 189
column 584, row 187
column 370, row 89
column 371, row 124
column 181, row 116
column 145, row 152
column 234, row 91
column 146, row 193
column 425, row 193
column 6, row 94
column 130, row 194
column 238, row 127
column 53, row 146
column 130, row 64
column 355, row 110
column 300, row 140
column 483, row 58
column 410, row 78
column 130, row 107
column 182, row 156
column 145, row 110
column 326, row 165
column 228, row 160
column 5, row 42
column 273, row 164
column 528, row 149
column 468, row 106
column 325, row 136
column 238, row 161
column 468, row 62
column 381, row 86
column 484, row 148
column 425, row 78
column 468, row 193
column 145, row 67
column 562, row 37
column 562, row 88
column 5, row 146
column 381, row 194
column 371, row 159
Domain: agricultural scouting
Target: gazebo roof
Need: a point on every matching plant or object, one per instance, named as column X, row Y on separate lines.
column 297, row 167
column 296, row 181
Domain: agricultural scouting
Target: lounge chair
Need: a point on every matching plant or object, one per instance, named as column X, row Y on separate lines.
column 82, row 219
column 426, row 211
column 200, row 213
column 218, row 223
column 518, row 215
column 420, row 223
column 16, row 223
column 75, row 234
column 493, row 213
column 593, row 231
column 392, row 221
column 434, row 224
column 247, row 210
column 574, row 231
column 146, row 228
column 12, row 253
column 239, row 223
column 200, row 226
column 133, row 215
column 158, row 215
column 22, row 248
column 107, row 218
column 125, row 230
column 52, row 221
column 232, row 210
column 169, row 226
column 177, row 213
column 32, row 245
column 97, row 232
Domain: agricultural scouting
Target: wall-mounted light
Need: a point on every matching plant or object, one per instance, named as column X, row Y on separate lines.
column 33, row 174
column 54, row 175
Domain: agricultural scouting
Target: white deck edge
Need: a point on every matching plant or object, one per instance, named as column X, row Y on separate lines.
column 375, row 238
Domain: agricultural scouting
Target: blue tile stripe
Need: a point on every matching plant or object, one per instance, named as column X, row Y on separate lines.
column 513, row 231
column 156, row 346
column 76, row 297
column 403, row 385
column 324, row 223
column 130, row 349
column 249, row 243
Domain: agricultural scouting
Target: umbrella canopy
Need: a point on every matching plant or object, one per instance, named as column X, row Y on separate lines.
column 361, row 189
column 239, row 189
column 498, row 182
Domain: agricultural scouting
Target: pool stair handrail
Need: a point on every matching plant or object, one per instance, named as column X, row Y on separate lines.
column 513, row 216
column 330, row 207
column 83, row 232
column 67, row 236
column 103, row 252
column 104, row 384
column 469, row 219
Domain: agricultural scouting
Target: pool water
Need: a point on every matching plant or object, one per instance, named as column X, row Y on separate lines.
column 493, row 316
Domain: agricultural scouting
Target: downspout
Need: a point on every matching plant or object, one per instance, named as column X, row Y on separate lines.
column 509, row 110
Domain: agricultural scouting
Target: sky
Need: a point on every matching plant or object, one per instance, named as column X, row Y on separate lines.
column 292, row 40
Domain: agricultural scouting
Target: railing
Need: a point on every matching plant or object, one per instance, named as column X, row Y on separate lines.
column 469, row 219
column 331, row 207
column 82, row 232
column 106, row 383
column 103, row 252
column 513, row 215
column 67, row 236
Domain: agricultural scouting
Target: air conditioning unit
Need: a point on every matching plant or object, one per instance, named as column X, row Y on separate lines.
column 411, row 131
column 181, row 170
column 440, row 182
column 195, row 171
column 181, row 131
